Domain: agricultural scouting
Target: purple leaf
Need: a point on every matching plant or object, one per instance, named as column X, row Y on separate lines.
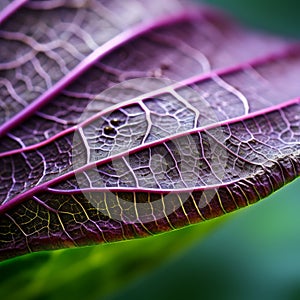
column 122, row 121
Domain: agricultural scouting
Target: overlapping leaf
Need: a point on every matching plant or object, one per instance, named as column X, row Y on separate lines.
column 148, row 155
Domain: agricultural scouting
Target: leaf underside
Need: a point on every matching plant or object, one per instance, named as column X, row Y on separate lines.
column 205, row 119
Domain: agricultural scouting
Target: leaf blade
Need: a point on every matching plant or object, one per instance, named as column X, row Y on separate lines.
column 240, row 143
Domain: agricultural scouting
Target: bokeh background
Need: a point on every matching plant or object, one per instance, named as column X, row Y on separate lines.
column 251, row 254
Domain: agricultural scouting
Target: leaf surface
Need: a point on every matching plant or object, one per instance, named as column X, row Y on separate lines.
column 87, row 161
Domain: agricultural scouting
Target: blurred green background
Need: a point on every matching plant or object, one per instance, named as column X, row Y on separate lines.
column 251, row 254
column 277, row 16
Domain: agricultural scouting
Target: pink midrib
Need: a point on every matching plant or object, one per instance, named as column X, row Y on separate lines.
column 46, row 185
column 287, row 51
column 92, row 58
column 11, row 9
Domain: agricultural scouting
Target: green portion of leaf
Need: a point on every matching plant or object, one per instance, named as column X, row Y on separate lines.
column 90, row 272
